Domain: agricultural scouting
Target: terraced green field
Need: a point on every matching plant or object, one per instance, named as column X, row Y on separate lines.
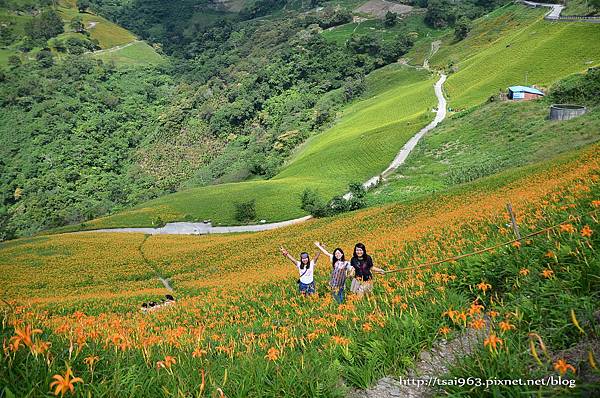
column 359, row 146
column 515, row 46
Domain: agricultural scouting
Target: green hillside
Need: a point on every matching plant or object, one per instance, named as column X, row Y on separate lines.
column 488, row 140
column 361, row 144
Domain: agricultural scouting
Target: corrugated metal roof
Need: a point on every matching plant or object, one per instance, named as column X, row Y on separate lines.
column 525, row 89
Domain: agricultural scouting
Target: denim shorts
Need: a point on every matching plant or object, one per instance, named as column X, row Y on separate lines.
column 307, row 288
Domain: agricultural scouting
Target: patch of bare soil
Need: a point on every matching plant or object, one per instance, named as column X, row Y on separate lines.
column 379, row 8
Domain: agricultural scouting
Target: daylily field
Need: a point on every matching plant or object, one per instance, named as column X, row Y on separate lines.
column 239, row 328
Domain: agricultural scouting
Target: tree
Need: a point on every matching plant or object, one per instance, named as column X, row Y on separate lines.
column 14, row 61
column 313, row 203
column 44, row 27
column 462, row 28
column 390, row 19
column 439, row 14
column 44, row 58
column 83, row 5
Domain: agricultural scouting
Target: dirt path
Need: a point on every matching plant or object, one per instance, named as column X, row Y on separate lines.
column 113, row 49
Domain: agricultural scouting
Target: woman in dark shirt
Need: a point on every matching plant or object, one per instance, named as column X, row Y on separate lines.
column 363, row 268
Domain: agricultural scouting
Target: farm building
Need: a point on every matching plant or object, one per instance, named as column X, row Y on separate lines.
column 525, row 93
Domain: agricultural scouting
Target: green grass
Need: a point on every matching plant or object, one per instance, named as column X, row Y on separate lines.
column 139, row 53
column 359, row 146
column 488, row 140
column 515, row 46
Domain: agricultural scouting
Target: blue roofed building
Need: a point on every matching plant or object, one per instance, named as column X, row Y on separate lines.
column 523, row 93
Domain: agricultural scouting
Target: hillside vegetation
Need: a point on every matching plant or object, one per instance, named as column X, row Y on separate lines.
column 467, row 86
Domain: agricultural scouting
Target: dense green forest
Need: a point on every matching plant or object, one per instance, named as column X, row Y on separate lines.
column 239, row 91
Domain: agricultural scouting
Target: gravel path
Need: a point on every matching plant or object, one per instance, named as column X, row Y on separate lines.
column 410, row 145
column 432, row 365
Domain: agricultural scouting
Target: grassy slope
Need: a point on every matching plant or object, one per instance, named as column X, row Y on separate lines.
column 360, row 145
column 513, row 46
column 499, row 136
column 489, row 139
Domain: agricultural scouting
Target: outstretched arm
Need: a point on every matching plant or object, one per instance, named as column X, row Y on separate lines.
column 318, row 244
column 316, row 257
column 288, row 255
column 378, row 270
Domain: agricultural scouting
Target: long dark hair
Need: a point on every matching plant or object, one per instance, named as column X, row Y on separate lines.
column 308, row 262
column 335, row 260
column 364, row 249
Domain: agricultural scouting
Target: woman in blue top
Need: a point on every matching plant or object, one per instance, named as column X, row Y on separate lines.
column 306, row 268
column 340, row 270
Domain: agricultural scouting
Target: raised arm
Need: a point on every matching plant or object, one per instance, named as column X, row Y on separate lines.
column 318, row 244
column 316, row 257
column 288, row 255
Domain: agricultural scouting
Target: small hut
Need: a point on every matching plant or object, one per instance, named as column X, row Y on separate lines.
column 524, row 93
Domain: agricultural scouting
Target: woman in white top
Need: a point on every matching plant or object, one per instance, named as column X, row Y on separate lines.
column 341, row 269
column 306, row 268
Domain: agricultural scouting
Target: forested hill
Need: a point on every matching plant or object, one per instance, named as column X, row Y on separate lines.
column 239, row 85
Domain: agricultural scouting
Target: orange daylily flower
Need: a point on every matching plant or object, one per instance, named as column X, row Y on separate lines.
column 586, row 231
column 367, row 327
column 492, row 341
column 549, row 254
column 198, row 353
column 516, row 244
column 91, row 360
column 445, row 330
column 567, row 228
column 547, row 273
column 506, row 326
column 477, row 324
column 272, row 354
column 562, row 366
column 65, row 383
column 167, row 363
column 484, row 286
column 23, row 336
column 524, row 272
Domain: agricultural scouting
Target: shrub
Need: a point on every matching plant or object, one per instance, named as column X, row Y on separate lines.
column 245, row 211
column 313, row 203
column 580, row 88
